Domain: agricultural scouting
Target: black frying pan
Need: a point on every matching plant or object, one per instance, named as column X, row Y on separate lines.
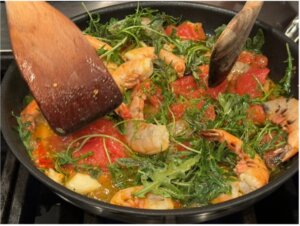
column 14, row 89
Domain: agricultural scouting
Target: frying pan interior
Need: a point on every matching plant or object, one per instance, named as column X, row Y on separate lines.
column 14, row 89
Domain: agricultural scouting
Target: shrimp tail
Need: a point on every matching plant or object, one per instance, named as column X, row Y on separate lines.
column 283, row 112
column 232, row 142
column 275, row 157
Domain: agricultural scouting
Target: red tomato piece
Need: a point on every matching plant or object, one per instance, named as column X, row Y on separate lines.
column 96, row 145
column 187, row 31
column 247, row 83
column 196, row 94
column 155, row 96
column 178, row 110
column 210, row 113
column 170, row 29
column 257, row 114
column 214, row 92
column 42, row 158
column 246, row 57
column 191, row 31
column 184, row 86
column 260, row 61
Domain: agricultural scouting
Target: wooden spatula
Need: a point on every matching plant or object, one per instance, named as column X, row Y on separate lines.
column 231, row 42
column 66, row 77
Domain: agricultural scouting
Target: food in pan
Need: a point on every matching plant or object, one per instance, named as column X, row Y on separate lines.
column 173, row 142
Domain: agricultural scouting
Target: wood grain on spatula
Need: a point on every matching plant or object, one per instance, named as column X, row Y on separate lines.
column 231, row 41
column 66, row 77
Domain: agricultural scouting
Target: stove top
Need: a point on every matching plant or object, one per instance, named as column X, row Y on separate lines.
column 25, row 200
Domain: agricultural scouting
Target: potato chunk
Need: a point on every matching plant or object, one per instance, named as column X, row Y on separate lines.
column 82, row 183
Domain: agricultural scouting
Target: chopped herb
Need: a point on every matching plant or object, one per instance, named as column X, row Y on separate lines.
column 285, row 82
column 256, row 43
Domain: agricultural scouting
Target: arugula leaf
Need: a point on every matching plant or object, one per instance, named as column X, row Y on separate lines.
column 285, row 82
column 256, row 43
column 24, row 133
column 165, row 175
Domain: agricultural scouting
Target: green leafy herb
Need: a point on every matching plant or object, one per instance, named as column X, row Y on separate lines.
column 24, row 133
column 285, row 82
column 256, row 43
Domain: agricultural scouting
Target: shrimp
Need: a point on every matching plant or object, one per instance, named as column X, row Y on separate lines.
column 125, row 197
column 252, row 172
column 176, row 62
column 97, row 44
column 284, row 112
column 142, row 137
column 168, row 57
column 130, row 73
column 140, row 53
column 235, row 192
column 111, row 67
column 123, row 111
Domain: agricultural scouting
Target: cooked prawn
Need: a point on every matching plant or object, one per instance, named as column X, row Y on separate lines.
column 235, row 192
column 284, row 112
column 130, row 73
column 140, row 53
column 97, row 44
column 126, row 198
column 252, row 172
column 176, row 62
column 142, row 137
column 111, row 67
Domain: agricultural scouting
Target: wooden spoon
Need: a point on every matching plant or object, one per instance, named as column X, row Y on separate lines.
column 66, row 77
column 231, row 42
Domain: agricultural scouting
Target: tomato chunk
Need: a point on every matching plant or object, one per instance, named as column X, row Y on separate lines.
column 214, row 92
column 103, row 150
column 246, row 57
column 178, row 110
column 210, row 113
column 257, row 114
column 184, row 86
column 42, row 157
column 248, row 82
column 188, row 31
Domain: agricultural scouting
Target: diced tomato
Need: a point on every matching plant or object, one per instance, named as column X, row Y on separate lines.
column 178, row 110
column 214, row 92
column 210, row 113
column 246, row 57
column 191, row 31
column 256, row 114
column 184, row 86
column 96, row 145
column 196, row 94
column 154, row 95
column 204, row 69
column 170, row 29
column 248, row 82
column 203, row 75
column 188, row 31
column 42, row 158
column 254, row 60
column 260, row 61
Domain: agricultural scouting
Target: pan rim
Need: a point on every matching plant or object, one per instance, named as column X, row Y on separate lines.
column 260, row 193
